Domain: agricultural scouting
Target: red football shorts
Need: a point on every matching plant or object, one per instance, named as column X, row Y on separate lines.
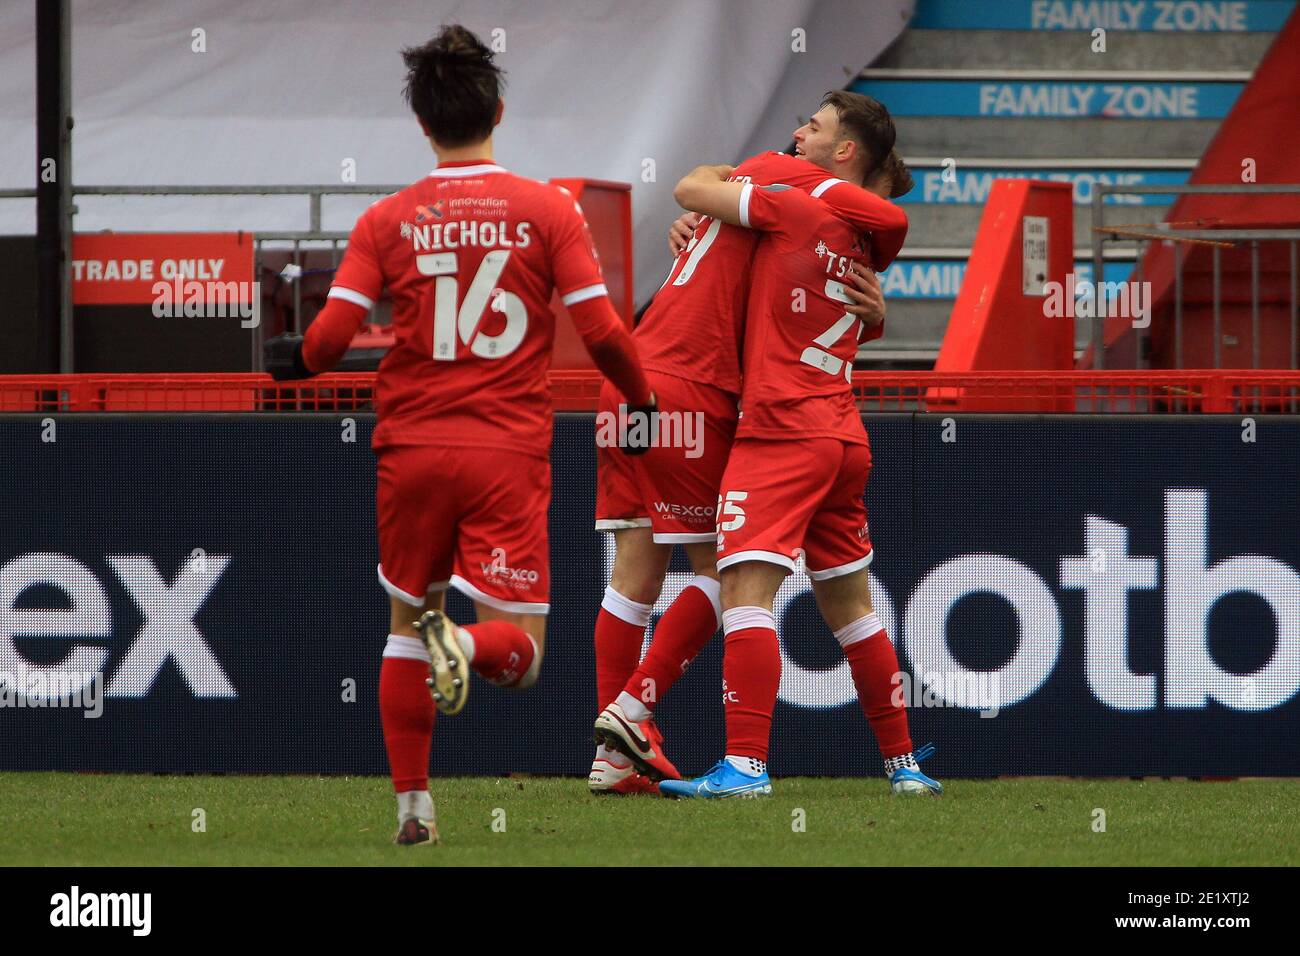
column 474, row 518
column 781, row 497
column 673, row 488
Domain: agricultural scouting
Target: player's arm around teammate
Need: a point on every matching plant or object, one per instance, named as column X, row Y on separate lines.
column 640, row 563
column 866, row 299
column 659, row 502
column 707, row 191
column 632, row 506
column 796, row 475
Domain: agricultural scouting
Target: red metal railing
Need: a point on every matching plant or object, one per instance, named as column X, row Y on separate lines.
column 1226, row 391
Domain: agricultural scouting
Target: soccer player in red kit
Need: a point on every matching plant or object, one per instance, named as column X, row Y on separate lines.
column 795, row 479
column 471, row 256
column 689, row 341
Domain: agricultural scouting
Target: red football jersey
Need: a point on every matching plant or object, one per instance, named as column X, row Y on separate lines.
column 693, row 328
column 470, row 255
column 799, row 340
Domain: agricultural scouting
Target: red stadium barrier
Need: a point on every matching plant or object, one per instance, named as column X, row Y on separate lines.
column 184, row 392
column 1228, row 391
column 999, row 321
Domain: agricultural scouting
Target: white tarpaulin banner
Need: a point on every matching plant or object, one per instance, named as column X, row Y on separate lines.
column 256, row 92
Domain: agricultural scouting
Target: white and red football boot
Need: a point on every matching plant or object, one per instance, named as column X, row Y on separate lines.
column 416, row 832
column 639, row 741
column 415, row 819
column 448, row 669
column 612, row 776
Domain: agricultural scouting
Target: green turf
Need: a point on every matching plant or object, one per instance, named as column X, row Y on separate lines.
column 82, row 819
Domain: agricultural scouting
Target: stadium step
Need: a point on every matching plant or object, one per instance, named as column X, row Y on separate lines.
column 937, row 224
column 1171, row 87
column 977, row 136
column 1030, row 49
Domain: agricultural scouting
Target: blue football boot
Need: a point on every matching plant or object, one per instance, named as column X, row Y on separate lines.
column 906, row 780
column 722, row 781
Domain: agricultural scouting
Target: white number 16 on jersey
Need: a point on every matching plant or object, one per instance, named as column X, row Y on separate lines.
column 451, row 322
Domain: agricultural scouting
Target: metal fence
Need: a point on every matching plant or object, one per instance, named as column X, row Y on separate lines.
column 1217, row 239
column 295, row 242
column 1227, row 391
column 298, row 243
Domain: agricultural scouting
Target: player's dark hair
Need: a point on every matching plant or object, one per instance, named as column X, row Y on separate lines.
column 900, row 176
column 865, row 121
column 453, row 86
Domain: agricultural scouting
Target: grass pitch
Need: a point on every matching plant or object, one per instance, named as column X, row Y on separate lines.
column 110, row 820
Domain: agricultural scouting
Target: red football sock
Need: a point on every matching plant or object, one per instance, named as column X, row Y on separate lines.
column 620, row 632
column 406, row 711
column 503, row 651
column 751, row 675
column 680, row 635
column 874, row 664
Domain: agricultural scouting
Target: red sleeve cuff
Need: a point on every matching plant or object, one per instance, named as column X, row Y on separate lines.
column 329, row 336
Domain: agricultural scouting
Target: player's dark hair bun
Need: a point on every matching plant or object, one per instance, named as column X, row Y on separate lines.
column 458, row 46
column 453, row 86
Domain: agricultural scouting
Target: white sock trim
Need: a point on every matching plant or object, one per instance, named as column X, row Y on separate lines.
column 712, row 590
column 467, row 644
column 635, row 710
column 749, row 766
column 739, row 618
column 414, row 805
column 907, row 760
column 864, row 627
column 534, row 669
column 625, row 609
column 407, row 648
